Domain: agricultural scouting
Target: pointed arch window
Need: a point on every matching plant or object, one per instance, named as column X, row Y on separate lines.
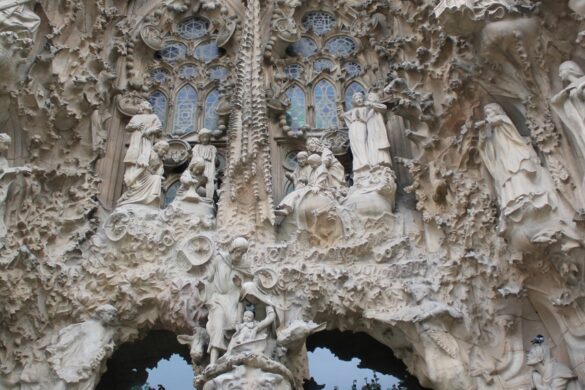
column 350, row 91
column 297, row 114
column 158, row 101
column 185, row 111
column 325, row 105
column 211, row 104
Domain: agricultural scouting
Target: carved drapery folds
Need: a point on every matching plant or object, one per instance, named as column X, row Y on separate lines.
column 438, row 210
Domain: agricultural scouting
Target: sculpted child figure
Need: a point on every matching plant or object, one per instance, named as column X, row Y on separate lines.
column 207, row 152
column 193, row 181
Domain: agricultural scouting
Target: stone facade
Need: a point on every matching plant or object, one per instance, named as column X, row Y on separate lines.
column 248, row 173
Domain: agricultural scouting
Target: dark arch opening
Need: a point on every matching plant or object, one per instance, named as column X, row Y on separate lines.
column 127, row 368
column 373, row 356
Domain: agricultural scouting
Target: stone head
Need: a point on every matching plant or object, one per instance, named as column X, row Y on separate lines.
column 373, row 97
column 161, row 148
column 248, row 316
column 107, row 314
column 358, row 99
column 204, row 136
column 569, row 71
column 197, row 166
column 314, row 145
column 5, row 142
column 314, row 160
column 144, row 107
column 238, row 247
column 302, row 158
column 493, row 109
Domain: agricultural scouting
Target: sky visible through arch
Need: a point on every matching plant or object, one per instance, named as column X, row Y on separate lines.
column 176, row 374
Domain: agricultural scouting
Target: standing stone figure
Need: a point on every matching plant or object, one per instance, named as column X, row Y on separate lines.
column 207, row 152
column 547, row 373
column 78, row 356
column 378, row 143
column 569, row 104
column 519, row 179
column 226, row 275
column 356, row 120
column 145, row 188
column 7, row 174
column 145, row 128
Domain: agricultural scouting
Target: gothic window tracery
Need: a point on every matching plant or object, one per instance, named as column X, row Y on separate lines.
column 325, row 105
column 297, row 111
column 326, row 64
column 318, row 22
column 211, row 104
column 186, row 76
column 185, row 111
column 158, row 101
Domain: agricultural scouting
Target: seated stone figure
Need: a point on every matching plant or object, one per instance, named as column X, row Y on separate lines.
column 144, row 187
column 305, row 180
column 191, row 196
column 547, row 373
column 192, row 180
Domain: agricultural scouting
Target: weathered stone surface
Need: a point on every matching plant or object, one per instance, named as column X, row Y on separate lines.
column 412, row 170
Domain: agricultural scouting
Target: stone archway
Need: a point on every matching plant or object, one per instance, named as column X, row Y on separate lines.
column 128, row 365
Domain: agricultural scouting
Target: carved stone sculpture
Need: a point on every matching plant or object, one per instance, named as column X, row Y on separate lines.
column 222, row 287
column 191, row 196
column 356, row 120
column 377, row 135
column 78, row 356
column 207, row 152
column 524, row 187
column 17, row 16
column 145, row 186
column 251, row 335
column 570, row 103
column 547, row 373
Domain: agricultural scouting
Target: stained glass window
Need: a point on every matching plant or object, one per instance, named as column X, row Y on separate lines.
column 185, row 111
column 158, row 101
column 305, row 47
column 159, row 76
column 340, row 46
column 188, row 71
column 211, row 104
column 325, row 108
column 349, row 91
column 171, row 193
column 218, row 73
column 207, row 51
column 296, row 113
column 319, row 22
column 293, row 71
column 321, row 64
column 193, row 28
column 353, row 69
column 173, row 51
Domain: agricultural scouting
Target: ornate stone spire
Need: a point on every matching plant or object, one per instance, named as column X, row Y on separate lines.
column 248, row 174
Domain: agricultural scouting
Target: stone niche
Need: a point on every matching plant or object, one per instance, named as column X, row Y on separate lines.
column 247, row 175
